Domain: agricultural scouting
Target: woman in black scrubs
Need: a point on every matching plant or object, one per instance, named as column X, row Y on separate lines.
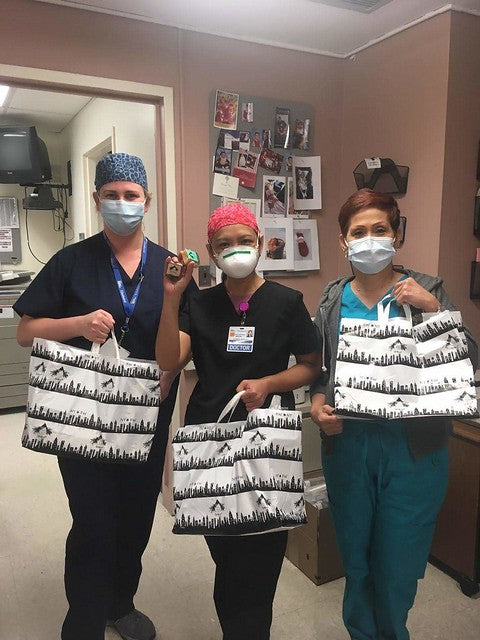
column 247, row 567
column 110, row 280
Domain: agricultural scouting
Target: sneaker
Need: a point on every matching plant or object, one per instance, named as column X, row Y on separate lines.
column 135, row 626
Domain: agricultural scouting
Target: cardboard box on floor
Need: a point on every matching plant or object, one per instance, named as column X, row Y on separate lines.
column 313, row 546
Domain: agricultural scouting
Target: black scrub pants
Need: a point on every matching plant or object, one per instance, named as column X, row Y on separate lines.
column 246, row 576
column 112, row 506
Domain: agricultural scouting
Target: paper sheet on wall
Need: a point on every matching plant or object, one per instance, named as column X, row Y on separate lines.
column 225, row 185
column 9, row 213
column 6, row 240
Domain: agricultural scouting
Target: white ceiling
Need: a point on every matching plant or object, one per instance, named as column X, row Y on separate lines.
column 306, row 25
column 49, row 111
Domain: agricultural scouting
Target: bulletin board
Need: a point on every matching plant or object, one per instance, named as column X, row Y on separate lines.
column 300, row 223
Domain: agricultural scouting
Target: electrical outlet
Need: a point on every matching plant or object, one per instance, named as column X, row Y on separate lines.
column 81, row 236
column 204, row 277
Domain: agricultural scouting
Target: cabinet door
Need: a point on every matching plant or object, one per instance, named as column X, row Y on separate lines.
column 456, row 537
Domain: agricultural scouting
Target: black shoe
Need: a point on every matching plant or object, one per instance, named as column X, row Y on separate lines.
column 134, row 626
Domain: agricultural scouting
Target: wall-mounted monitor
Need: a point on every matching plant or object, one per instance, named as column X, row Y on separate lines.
column 23, row 156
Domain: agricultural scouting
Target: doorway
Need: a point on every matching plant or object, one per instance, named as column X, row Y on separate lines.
column 161, row 99
column 90, row 159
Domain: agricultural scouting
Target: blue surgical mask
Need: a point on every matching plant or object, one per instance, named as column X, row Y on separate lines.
column 371, row 254
column 121, row 216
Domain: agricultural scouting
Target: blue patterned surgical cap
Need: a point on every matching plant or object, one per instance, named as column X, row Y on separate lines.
column 120, row 167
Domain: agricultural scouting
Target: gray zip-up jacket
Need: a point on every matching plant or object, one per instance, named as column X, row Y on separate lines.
column 424, row 434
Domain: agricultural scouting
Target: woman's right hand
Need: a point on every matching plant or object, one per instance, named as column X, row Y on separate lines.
column 96, row 326
column 176, row 286
column 324, row 416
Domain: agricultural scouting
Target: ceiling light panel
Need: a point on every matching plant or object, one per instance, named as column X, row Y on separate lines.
column 363, row 6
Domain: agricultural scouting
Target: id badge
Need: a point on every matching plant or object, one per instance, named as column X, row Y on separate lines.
column 240, row 339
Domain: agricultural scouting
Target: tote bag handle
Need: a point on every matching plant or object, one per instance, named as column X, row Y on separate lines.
column 96, row 346
column 276, row 402
column 230, row 406
column 384, row 311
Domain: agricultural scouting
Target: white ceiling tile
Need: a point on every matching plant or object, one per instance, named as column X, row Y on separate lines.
column 47, row 101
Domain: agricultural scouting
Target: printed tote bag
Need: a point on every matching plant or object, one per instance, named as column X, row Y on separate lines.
column 390, row 368
column 83, row 404
column 240, row 477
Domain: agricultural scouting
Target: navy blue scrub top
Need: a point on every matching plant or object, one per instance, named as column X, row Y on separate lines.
column 79, row 279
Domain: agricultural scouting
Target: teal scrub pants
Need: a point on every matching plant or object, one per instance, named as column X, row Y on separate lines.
column 384, row 504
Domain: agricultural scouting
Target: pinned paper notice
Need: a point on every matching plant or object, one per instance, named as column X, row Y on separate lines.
column 225, row 185
column 6, row 240
column 373, row 163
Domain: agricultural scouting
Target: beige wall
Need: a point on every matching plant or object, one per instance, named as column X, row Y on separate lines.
column 395, row 102
column 389, row 100
column 457, row 242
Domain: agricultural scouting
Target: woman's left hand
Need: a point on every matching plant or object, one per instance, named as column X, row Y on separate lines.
column 408, row 291
column 255, row 393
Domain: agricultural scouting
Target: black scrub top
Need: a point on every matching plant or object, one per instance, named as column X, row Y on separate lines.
column 282, row 326
column 79, row 279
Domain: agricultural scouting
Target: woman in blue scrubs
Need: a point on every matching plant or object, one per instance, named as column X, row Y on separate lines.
column 109, row 281
column 386, row 479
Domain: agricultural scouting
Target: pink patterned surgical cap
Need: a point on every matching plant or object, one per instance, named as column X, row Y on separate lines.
column 233, row 213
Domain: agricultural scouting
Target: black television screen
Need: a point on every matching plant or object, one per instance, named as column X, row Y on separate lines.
column 23, row 156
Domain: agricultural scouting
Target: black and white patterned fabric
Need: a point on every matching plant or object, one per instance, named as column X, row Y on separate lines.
column 85, row 405
column 389, row 368
column 241, row 477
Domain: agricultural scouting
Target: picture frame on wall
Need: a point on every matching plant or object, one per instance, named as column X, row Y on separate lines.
column 278, row 248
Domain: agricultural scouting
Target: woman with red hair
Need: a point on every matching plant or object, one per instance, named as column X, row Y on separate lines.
column 386, row 479
column 277, row 324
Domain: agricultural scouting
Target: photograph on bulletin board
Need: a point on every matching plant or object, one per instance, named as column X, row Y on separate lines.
column 270, row 160
column 256, row 139
column 307, row 177
column 278, row 248
column 266, row 139
column 274, row 196
column 305, row 240
column 281, row 136
column 223, row 161
column 300, row 134
column 226, row 110
column 247, row 111
column 245, row 167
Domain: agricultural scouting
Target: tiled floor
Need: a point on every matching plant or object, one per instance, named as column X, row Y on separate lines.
column 176, row 585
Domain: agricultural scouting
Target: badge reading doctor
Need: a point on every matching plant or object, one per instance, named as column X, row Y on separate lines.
column 240, row 339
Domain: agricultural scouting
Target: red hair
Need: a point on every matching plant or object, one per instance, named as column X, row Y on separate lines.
column 368, row 199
